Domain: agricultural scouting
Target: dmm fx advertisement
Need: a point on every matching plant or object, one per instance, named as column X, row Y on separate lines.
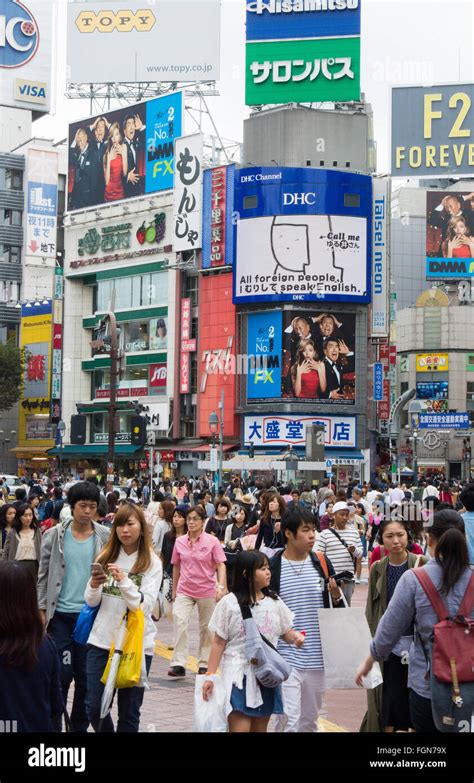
column 432, row 131
column 124, row 153
column 302, row 235
column 302, row 355
column 449, row 234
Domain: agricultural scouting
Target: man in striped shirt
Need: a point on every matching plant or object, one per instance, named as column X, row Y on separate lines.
column 298, row 576
column 342, row 545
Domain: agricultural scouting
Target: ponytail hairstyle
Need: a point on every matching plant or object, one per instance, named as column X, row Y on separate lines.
column 451, row 551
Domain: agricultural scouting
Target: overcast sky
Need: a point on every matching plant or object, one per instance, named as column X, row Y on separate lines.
column 403, row 42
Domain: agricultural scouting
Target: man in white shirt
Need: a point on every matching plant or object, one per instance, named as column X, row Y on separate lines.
column 430, row 492
column 396, row 496
column 342, row 546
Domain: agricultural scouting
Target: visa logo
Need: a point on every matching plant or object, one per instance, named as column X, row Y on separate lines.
column 30, row 91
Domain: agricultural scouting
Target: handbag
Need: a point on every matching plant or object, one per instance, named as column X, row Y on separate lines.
column 130, row 665
column 345, row 641
column 270, row 668
column 84, row 623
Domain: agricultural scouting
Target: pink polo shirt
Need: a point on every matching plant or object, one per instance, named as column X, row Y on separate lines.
column 197, row 562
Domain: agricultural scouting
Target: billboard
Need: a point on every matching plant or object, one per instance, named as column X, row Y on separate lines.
column 36, row 339
column 188, row 193
column 270, row 430
column 26, row 52
column 432, row 362
column 216, row 359
column 301, row 355
column 217, row 217
column 279, row 19
column 380, row 263
column 118, row 241
column 302, row 234
column 159, row 41
column 265, row 354
column 318, row 69
column 449, row 234
column 431, row 131
column 124, row 153
column 432, row 390
column 42, row 206
column 444, row 421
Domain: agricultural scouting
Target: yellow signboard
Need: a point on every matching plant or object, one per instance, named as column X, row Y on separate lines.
column 432, row 362
column 36, row 340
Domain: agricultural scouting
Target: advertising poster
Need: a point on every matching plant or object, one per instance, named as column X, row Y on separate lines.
column 324, row 69
column 124, row 153
column 432, row 131
column 449, row 234
column 154, row 41
column 380, row 263
column 276, row 20
column 435, row 390
column 217, row 217
column 302, row 234
column 432, row 362
column 318, row 360
column 187, row 233
column 264, row 350
column 42, row 205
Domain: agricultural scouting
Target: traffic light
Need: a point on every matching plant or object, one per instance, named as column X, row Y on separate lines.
column 251, row 451
column 78, row 429
column 138, row 431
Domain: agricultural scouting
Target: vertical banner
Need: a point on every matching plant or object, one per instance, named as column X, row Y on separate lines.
column 188, row 193
column 264, row 349
column 56, row 365
column 42, row 205
column 380, row 265
column 218, row 209
column 378, row 382
column 185, row 363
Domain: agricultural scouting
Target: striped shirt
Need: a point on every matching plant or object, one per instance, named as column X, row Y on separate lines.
column 301, row 589
column 336, row 552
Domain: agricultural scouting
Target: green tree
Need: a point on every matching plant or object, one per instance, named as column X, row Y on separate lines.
column 12, row 365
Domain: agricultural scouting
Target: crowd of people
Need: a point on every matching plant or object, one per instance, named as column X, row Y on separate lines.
column 279, row 552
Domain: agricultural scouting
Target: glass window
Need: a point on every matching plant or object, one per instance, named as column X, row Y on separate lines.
column 470, row 390
column 12, row 217
column 123, row 293
column 13, row 179
column 13, row 254
column 137, row 336
column 158, row 292
column 104, row 290
column 136, row 291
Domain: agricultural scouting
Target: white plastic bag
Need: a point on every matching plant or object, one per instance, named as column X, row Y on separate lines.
column 209, row 716
column 346, row 639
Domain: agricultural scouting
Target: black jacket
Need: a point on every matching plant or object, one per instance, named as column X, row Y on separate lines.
column 275, row 568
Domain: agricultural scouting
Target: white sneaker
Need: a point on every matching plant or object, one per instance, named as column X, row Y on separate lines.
column 357, row 581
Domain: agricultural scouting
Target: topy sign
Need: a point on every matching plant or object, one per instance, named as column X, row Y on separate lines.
column 277, row 19
column 19, row 34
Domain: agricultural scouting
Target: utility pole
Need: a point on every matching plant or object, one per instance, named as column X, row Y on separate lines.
column 115, row 359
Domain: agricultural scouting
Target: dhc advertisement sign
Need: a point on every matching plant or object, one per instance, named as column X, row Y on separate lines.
column 303, row 235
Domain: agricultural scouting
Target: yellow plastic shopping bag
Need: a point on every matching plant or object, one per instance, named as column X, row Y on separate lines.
column 130, row 657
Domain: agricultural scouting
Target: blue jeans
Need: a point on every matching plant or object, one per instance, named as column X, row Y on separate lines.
column 129, row 700
column 73, row 667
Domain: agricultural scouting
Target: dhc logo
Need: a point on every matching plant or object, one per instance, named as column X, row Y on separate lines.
column 30, row 92
column 19, row 34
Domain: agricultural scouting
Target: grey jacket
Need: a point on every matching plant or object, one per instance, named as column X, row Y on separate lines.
column 11, row 545
column 410, row 603
column 52, row 564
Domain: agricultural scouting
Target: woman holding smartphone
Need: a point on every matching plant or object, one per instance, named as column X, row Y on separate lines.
column 127, row 575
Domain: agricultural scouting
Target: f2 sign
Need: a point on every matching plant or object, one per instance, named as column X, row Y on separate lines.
column 432, row 131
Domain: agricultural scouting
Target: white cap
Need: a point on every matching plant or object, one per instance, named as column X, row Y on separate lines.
column 340, row 506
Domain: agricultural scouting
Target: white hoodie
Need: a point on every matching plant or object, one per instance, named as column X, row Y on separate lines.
column 137, row 591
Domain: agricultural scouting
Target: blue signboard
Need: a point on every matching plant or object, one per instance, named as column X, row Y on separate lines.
column 265, row 351
column 378, row 382
column 218, row 229
column 432, row 390
column 283, row 19
column 302, row 235
column 164, row 123
column 449, row 268
column 444, row 421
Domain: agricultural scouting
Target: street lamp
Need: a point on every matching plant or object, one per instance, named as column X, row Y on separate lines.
column 214, row 427
column 414, row 409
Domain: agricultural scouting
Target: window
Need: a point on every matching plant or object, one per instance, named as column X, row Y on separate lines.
column 191, row 289
column 136, row 291
column 11, row 254
column 13, row 179
column 137, row 336
column 12, row 217
column 470, row 395
column 403, row 387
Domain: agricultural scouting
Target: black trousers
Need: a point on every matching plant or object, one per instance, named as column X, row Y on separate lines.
column 421, row 714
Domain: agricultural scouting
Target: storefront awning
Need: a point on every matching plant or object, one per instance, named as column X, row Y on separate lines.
column 94, row 450
column 207, row 447
column 28, row 451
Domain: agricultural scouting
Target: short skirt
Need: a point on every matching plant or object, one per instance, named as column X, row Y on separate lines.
column 272, row 702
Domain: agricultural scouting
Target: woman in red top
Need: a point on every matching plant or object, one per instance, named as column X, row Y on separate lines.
column 308, row 374
column 115, row 165
column 459, row 241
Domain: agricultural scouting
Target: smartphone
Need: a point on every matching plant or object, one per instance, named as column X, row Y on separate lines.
column 96, row 569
